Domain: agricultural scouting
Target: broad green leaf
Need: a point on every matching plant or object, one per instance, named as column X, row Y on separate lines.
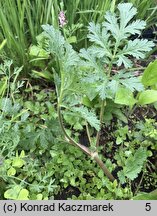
column 23, row 195
column 18, row 162
column 119, row 114
column 87, row 102
column 124, row 96
column 39, row 196
column 72, row 39
column 149, row 77
column 11, row 171
column 12, row 193
column 38, row 52
column 146, row 196
column 147, row 97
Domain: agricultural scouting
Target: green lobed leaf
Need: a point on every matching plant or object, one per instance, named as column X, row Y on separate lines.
column 124, row 96
column 147, row 97
column 23, row 195
column 146, row 196
column 149, row 76
column 38, row 52
column 11, row 171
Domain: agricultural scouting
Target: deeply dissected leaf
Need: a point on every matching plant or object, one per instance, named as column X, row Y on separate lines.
column 71, row 58
column 90, row 60
column 89, row 116
column 147, row 97
column 101, row 89
column 57, row 45
column 149, row 77
column 135, row 163
column 99, row 37
column 90, row 90
column 121, row 176
column 128, row 80
column 122, row 28
column 136, row 48
column 124, row 60
column 107, row 89
column 91, row 77
column 55, row 40
column 132, row 83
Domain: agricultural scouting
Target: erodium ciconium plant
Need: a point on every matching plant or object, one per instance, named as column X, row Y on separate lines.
column 84, row 76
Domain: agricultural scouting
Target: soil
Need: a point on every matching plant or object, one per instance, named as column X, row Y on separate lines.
column 67, row 193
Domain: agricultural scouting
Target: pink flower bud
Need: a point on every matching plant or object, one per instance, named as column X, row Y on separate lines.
column 62, row 19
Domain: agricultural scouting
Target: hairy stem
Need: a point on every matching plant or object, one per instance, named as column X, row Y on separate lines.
column 101, row 122
column 85, row 149
column 68, row 138
column 102, row 165
column 88, row 133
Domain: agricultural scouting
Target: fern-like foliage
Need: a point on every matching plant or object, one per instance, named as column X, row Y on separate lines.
column 129, row 81
column 112, row 45
column 112, row 39
column 89, row 72
column 89, row 116
column 65, row 57
column 121, row 27
column 55, row 43
column 133, row 165
column 60, row 48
